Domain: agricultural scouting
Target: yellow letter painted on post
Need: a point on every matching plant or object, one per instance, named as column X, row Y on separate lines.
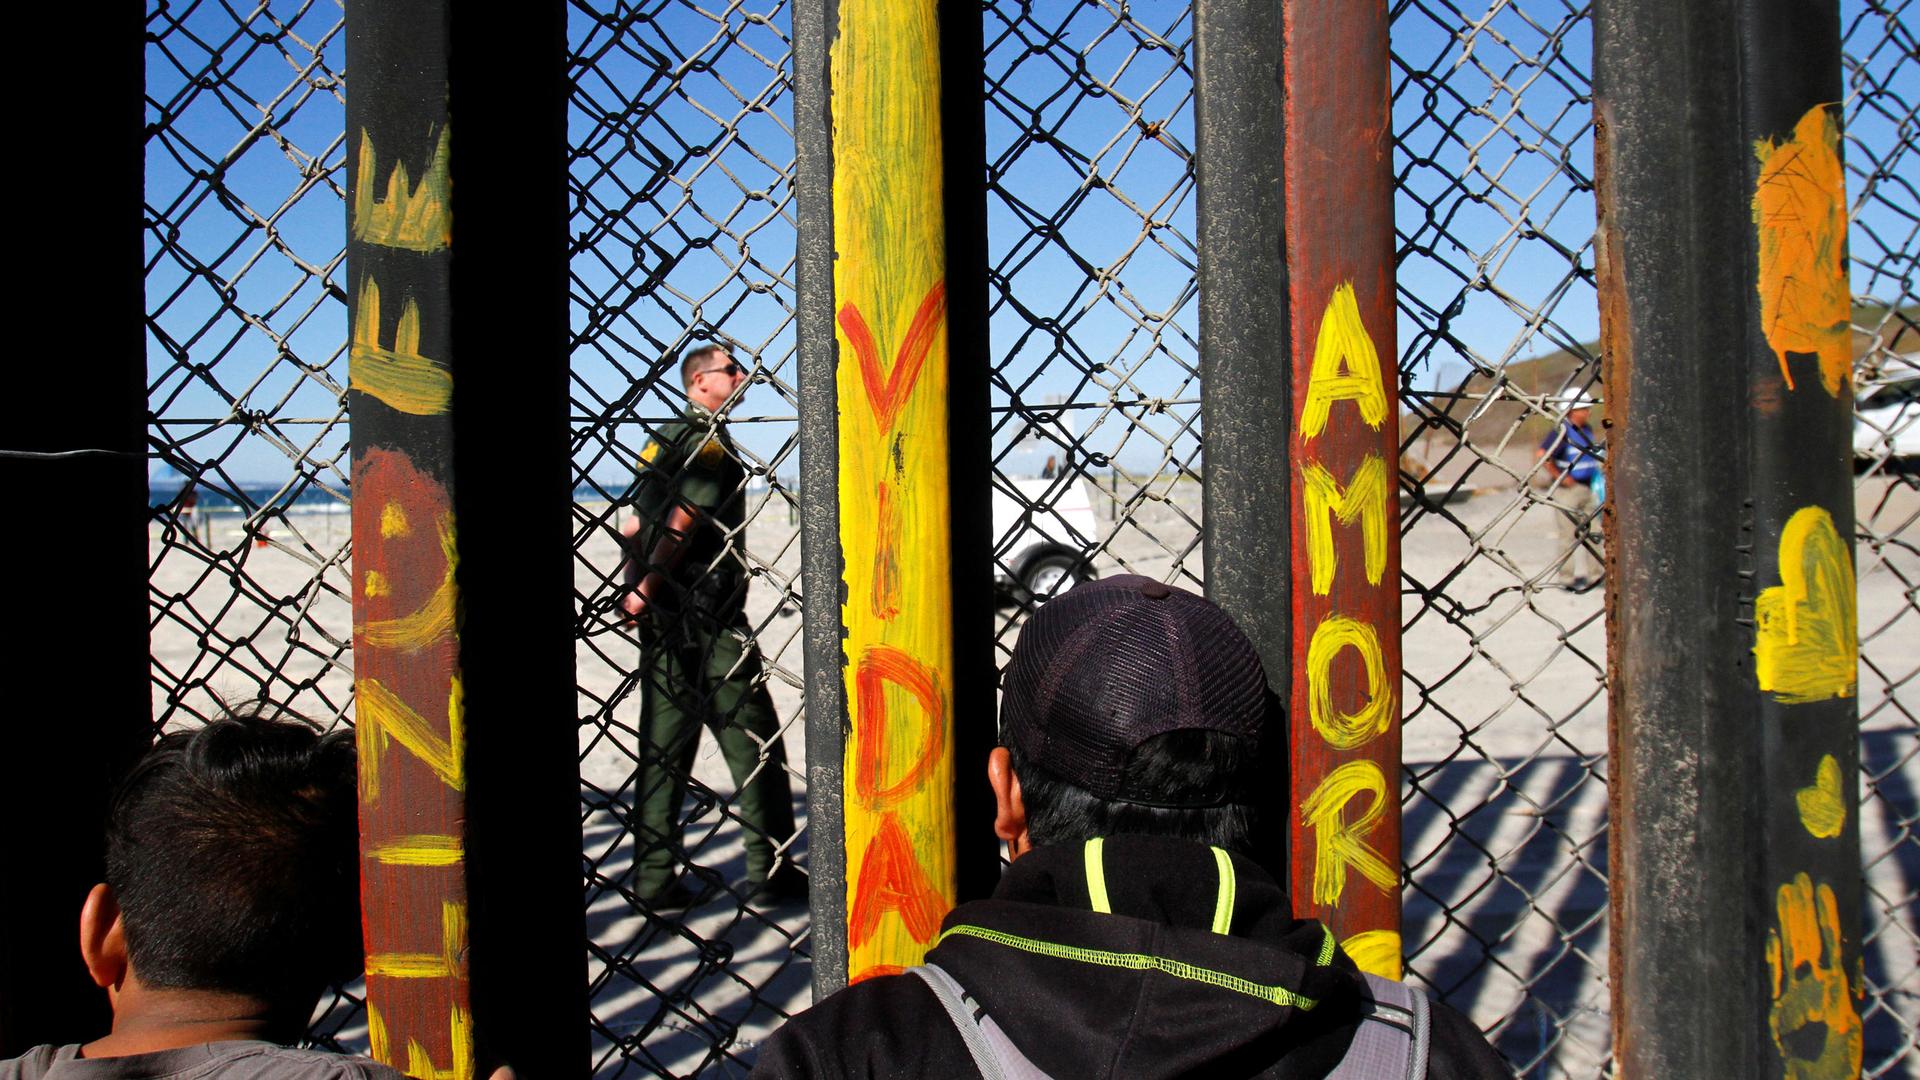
column 1363, row 499
column 1376, row 952
column 1806, row 641
column 1339, row 843
column 1346, row 367
column 414, row 217
column 398, row 375
column 1345, row 731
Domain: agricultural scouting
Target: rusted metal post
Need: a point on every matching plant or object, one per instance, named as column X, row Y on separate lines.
column 72, row 464
column 892, row 342
column 464, row 700
column 1735, row 853
column 1299, row 381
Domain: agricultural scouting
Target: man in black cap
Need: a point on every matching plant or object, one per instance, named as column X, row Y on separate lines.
column 1134, row 934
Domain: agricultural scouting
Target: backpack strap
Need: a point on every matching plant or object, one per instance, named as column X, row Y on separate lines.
column 993, row 1053
column 1391, row 1039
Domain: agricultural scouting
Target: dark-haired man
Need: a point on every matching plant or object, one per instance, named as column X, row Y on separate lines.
column 699, row 664
column 1133, row 934
column 231, row 902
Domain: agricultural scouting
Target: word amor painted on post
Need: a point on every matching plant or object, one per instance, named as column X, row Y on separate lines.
column 1349, row 676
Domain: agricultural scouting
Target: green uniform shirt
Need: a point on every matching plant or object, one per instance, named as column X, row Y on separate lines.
column 690, row 463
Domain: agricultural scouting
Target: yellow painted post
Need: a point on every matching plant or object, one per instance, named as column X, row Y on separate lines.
column 890, row 318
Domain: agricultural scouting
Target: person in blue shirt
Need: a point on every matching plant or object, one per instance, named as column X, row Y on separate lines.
column 1572, row 457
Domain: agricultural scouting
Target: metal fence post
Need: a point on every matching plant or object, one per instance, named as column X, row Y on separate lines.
column 72, row 464
column 1299, row 382
column 1735, row 857
column 462, row 572
column 891, row 323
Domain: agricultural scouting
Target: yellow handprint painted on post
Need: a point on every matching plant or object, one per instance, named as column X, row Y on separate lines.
column 1814, row 1024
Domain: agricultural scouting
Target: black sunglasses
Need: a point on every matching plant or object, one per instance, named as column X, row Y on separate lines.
column 731, row 367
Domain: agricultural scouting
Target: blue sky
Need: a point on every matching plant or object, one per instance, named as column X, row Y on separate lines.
column 685, row 219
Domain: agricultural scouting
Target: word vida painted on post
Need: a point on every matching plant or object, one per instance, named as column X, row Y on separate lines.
column 1351, row 801
column 899, row 764
column 890, row 318
column 408, row 701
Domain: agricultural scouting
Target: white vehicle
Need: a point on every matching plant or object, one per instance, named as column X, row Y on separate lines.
column 1886, row 422
column 1040, row 538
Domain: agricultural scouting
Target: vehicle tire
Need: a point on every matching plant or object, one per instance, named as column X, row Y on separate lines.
column 1051, row 574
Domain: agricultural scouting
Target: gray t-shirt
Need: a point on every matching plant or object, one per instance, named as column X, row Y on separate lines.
column 236, row 1060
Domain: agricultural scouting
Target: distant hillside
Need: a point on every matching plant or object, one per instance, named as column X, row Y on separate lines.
column 1562, row 374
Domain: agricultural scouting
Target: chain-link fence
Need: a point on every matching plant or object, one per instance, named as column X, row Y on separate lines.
column 682, row 258
column 1504, row 644
column 1882, row 56
column 683, row 237
column 248, row 536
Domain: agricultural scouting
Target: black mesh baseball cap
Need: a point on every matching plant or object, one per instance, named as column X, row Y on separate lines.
column 1106, row 666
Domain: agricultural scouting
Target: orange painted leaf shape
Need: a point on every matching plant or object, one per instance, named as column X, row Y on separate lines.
column 889, row 397
column 1800, row 210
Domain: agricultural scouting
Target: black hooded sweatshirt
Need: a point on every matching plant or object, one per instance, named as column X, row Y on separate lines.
column 1147, row 990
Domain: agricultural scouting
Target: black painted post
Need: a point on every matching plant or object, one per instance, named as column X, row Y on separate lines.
column 969, row 442
column 1245, row 377
column 1735, row 863
column 462, row 498
column 821, row 560
column 894, row 370
column 72, row 450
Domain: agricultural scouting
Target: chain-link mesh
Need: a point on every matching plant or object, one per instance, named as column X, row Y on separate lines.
column 1090, row 186
column 1504, row 644
column 691, row 747
column 1093, row 300
column 248, row 539
column 1883, row 158
column 682, row 236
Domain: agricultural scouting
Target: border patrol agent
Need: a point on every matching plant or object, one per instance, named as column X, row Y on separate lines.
column 700, row 666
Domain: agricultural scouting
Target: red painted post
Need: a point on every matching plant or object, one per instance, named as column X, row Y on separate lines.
column 1345, row 693
column 1302, row 430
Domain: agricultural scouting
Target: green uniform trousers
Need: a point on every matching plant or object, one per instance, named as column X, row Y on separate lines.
column 702, row 669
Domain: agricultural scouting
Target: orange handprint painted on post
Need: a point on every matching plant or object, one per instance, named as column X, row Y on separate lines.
column 1815, row 1026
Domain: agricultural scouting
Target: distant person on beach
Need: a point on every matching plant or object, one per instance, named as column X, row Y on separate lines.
column 190, row 509
column 1135, row 932
column 686, row 586
column 231, row 903
column 1572, row 458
